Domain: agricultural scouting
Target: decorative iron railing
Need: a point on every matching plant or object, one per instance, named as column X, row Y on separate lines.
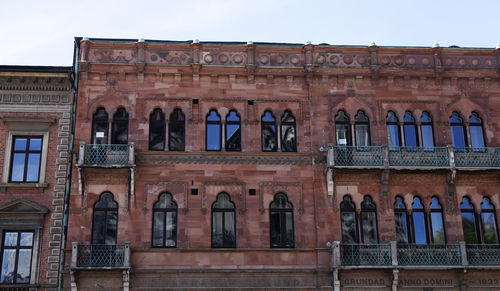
column 477, row 157
column 359, row 156
column 106, row 154
column 483, row 254
column 366, row 254
column 97, row 255
column 429, row 255
column 433, row 157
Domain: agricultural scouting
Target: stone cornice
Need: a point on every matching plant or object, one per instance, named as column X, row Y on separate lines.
column 41, row 83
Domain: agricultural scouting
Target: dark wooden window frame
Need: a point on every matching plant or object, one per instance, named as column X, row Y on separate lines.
column 282, row 214
column 18, row 247
column 165, row 211
column 26, row 155
column 223, row 210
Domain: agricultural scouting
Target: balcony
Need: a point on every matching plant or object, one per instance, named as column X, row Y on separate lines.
column 106, row 155
column 419, row 157
column 429, row 255
column 98, row 256
column 483, row 255
column 366, row 255
column 477, row 157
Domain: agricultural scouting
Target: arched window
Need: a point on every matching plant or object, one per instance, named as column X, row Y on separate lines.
column 213, row 141
column 368, row 219
column 281, row 222
column 119, row 129
column 269, row 132
column 177, row 131
column 469, row 224
column 157, row 130
column 348, row 220
column 342, row 130
column 476, row 132
column 488, row 222
column 437, row 226
column 362, row 129
column 418, row 219
column 457, row 132
column 393, row 131
column 401, row 218
column 100, row 126
column 427, row 131
column 223, row 222
column 105, row 220
column 288, row 132
column 410, row 131
column 165, row 222
column 233, row 132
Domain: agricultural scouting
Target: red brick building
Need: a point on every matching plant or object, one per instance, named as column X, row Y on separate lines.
column 233, row 165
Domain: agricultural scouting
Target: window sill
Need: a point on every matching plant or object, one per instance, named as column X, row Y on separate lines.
column 39, row 186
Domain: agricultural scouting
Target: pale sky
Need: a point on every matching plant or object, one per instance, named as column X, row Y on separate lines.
column 42, row 32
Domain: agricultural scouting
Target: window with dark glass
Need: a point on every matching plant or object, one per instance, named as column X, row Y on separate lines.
column 426, row 131
column 177, row 131
column 469, row 224
column 17, row 250
column 165, row 222
column 288, row 131
column 342, row 129
column 410, row 131
column 436, row 220
column 457, row 132
column 213, row 131
column 418, row 220
column 281, row 222
column 105, row 220
column 233, row 132
column 223, row 222
column 157, row 130
column 488, row 222
column 269, row 132
column 401, row 219
column 362, row 129
column 368, row 219
column 119, row 129
column 348, row 220
column 25, row 159
column 393, row 130
column 100, row 126
column 476, row 132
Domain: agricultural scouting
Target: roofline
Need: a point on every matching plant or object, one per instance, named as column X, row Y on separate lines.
column 36, row 69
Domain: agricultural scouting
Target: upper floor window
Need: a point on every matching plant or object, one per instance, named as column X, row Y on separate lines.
column 17, row 250
column 362, row 129
column 177, row 131
column 419, row 224
column 368, row 220
column 437, row 225
column 281, row 222
column 401, row 219
column 457, row 131
column 213, row 138
column 233, row 132
column 426, row 131
column 100, row 126
column 157, row 130
column 469, row 223
column 488, row 222
column 348, row 220
column 269, row 132
column 119, row 129
column 25, row 159
column 410, row 131
column 165, row 222
column 476, row 132
column 223, row 222
column 342, row 130
column 105, row 220
column 393, row 130
column 288, row 132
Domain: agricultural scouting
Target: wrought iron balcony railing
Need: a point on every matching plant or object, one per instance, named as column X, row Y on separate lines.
column 434, row 157
column 484, row 255
column 100, row 256
column 429, row 255
column 477, row 157
column 366, row 255
column 352, row 156
column 106, row 154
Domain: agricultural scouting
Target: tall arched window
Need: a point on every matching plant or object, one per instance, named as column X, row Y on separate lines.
column 427, row 131
column 476, row 132
column 348, row 220
column 223, row 222
column 233, row 132
column 410, row 131
column 213, row 138
column 401, row 219
column 281, row 222
column 368, row 219
column 457, row 132
column 157, row 130
column 469, row 224
column 105, row 220
column 393, row 130
column 342, row 130
column 269, row 132
column 437, row 225
column 488, row 222
column 100, row 125
column 288, row 132
column 119, row 129
column 165, row 222
column 418, row 220
column 177, row 131
column 362, row 129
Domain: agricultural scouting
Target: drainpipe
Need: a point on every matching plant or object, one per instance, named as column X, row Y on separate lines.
column 70, row 162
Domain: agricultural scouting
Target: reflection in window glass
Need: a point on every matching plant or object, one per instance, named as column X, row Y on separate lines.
column 213, row 138
column 468, row 221
column 401, row 218
column 427, row 132
column 269, row 133
column 223, row 222
column 437, row 225
column 119, row 129
column 488, row 222
column 362, row 129
column 165, row 221
column 25, row 163
column 392, row 130
column 157, row 130
column 342, row 131
column 348, row 220
column 457, row 132
column 281, row 222
column 476, row 132
column 368, row 217
column 418, row 218
column 100, row 126
column 177, row 131
column 410, row 131
column 288, row 132
column 17, row 251
column 105, row 220
column 233, row 132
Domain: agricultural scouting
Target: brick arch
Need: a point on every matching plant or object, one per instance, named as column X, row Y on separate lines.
column 465, row 107
column 108, row 102
column 351, row 106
